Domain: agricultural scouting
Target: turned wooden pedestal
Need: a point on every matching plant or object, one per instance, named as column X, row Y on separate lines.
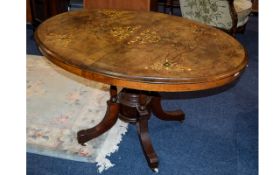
column 133, row 106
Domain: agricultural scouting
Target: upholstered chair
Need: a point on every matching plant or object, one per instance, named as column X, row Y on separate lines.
column 228, row 15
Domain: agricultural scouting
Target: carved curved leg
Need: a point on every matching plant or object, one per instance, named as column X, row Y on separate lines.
column 142, row 130
column 151, row 157
column 108, row 121
column 177, row 115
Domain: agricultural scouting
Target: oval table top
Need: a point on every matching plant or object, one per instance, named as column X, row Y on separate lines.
column 141, row 50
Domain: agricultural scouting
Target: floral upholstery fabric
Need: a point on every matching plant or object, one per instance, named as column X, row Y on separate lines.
column 211, row 12
column 215, row 12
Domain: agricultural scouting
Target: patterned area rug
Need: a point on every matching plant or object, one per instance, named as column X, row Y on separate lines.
column 58, row 105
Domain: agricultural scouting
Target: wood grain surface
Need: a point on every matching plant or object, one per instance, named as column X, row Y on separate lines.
column 141, row 50
column 145, row 5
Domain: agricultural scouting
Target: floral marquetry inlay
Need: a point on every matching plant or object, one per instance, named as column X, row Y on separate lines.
column 168, row 67
column 121, row 33
column 146, row 36
column 140, row 46
column 113, row 14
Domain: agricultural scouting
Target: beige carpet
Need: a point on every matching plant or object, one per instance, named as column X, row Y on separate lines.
column 58, row 105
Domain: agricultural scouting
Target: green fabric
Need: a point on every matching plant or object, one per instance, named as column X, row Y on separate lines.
column 212, row 12
column 215, row 12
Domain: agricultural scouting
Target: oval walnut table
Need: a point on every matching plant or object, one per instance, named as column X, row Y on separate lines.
column 144, row 53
